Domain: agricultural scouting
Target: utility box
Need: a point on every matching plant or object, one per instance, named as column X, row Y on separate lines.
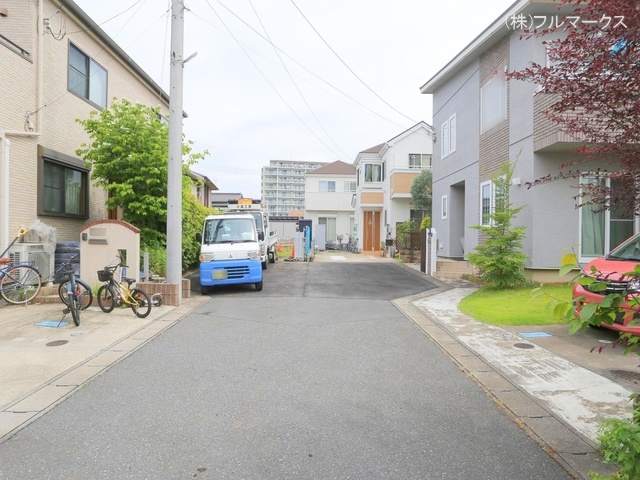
column 100, row 244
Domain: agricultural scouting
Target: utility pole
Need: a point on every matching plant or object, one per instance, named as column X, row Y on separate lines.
column 174, row 182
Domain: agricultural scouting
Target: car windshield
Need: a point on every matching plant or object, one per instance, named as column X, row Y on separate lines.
column 629, row 250
column 229, row 230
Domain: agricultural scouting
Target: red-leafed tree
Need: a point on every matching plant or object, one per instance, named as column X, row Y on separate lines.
column 594, row 71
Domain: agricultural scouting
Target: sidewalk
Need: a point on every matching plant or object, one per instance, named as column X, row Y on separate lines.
column 553, row 396
column 42, row 364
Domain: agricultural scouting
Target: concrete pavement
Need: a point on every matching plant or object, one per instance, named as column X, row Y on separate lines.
column 41, row 365
column 552, row 390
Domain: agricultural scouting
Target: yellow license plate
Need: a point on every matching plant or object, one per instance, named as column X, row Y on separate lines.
column 220, row 275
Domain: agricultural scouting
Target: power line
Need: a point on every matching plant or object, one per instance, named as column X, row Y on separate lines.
column 269, row 83
column 294, row 82
column 349, row 68
column 306, row 69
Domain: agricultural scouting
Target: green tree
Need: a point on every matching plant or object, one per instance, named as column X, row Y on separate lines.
column 422, row 192
column 499, row 257
column 128, row 152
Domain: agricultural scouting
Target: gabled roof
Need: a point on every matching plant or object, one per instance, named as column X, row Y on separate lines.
column 198, row 177
column 220, row 197
column 408, row 131
column 336, row 168
column 492, row 35
column 376, row 149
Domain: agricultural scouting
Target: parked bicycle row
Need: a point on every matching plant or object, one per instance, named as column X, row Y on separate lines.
column 21, row 282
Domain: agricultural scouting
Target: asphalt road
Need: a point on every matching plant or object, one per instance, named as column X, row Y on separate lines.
column 318, row 376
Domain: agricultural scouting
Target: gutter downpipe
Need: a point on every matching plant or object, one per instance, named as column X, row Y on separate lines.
column 5, row 143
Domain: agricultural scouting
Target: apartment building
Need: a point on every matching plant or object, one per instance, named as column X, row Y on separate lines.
column 329, row 193
column 282, row 186
column 57, row 66
column 482, row 121
column 384, row 175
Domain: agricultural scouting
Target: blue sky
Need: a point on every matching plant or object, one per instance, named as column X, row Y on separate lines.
column 345, row 75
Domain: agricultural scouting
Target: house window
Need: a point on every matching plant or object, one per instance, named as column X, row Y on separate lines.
column 419, row 160
column 444, row 207
column 373, row 172
column 327, row 186
column 448, row 136
column 349, row 186
column 330, row 230
column 603, row 229
column 62, row 186
column 86, row 78
column 486, row 203
column 493, row 100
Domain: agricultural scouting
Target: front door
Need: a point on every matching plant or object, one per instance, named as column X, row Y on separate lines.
column 371, row 240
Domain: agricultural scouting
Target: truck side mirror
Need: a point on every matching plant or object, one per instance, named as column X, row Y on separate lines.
column 199, row 237
column 260, row 236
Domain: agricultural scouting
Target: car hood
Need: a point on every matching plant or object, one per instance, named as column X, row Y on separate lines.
column 612, row 269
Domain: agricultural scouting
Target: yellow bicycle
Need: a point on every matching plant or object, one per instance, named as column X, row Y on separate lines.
column 114, row 294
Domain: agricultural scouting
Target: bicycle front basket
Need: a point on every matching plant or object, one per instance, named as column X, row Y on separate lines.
column 105, row 275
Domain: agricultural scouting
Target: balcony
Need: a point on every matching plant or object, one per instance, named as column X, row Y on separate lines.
column 547, row 136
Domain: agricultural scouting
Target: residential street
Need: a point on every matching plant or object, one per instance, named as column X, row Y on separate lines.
column 319, row 376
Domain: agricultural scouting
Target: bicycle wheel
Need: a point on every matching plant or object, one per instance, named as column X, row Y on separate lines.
column 73, row 304
column 142, row 305
column 105, row 298
column 83, row 292
column 21, row 284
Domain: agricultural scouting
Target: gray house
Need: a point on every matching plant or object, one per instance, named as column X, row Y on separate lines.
column 483, row 120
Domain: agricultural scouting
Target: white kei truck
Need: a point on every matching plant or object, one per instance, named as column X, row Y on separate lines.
column 269, row 242
column 229, row 251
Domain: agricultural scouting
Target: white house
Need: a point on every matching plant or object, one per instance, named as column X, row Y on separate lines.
column 329, row 191
column 384, row 175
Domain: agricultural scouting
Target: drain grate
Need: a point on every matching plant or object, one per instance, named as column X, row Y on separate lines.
column 629, row 377
column 57, row 343
column 523, row 345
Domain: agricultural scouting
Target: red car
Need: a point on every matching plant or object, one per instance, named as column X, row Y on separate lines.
column 611, row 270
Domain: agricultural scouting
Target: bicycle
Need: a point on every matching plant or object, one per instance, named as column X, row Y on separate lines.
column 72, row 298
column 120, row 294
column 20, row 282
column 81, row 289
column 352, row 246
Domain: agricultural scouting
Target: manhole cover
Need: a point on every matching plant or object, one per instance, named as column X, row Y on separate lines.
column 523, row 345
column 57, row 343
column 629, row 377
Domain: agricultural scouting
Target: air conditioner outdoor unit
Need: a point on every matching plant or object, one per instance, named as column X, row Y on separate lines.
column 34, row 252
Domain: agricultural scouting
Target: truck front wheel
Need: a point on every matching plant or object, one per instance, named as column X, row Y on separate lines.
column 258, row 286
column 264, row 264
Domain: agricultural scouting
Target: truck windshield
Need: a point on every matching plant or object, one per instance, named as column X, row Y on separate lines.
column 229, row 230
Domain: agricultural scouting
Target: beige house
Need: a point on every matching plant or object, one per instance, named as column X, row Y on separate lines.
column 384, row 176
column 202, row 188
column 57, row 66
column 329, row 191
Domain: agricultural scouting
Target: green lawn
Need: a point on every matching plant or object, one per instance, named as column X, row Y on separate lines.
column 514, row 307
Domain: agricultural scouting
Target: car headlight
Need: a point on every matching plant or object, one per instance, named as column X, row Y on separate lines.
column 634, row 286
column 254, row 254
column 206, row 257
